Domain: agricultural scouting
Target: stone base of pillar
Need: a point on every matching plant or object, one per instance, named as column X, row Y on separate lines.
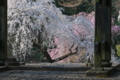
column 97, row 69
column 11, row 62
column 88, row 64
column 2, row 63
column 100, row 72
column 22, row 63
column 106, row 64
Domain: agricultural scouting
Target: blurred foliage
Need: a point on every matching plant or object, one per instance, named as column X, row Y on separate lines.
column 88, row 6
column 115, row 44
column 36, row 56
column 118, row 50
column 116, row 40
column 37, row 53
column 115, row 14
column 33, row 0
column 116, row 22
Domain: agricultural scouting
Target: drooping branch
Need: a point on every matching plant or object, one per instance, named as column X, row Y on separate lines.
column 63, row 57
column 44, row 51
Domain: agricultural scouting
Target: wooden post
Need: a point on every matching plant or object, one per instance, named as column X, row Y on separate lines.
column 102, row 53
column 98, row 36
column 102, row 45
column 106, row 33
column 3, row 29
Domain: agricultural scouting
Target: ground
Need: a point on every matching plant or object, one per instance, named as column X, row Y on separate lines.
column 53, row 75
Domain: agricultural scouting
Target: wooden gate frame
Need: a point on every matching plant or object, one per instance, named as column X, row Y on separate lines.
column 102, row 53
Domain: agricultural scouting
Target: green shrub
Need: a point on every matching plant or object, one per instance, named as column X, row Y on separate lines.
column 37, row 55
column 118, row 50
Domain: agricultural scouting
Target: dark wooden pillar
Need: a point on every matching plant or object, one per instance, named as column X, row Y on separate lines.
column 98, row 35
column 3, row 29
column 3, row 37
column 106, row 33
column 102, row 53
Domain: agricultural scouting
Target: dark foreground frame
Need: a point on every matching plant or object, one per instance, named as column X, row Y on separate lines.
column 3, row 29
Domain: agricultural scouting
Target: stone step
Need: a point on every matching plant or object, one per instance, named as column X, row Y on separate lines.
column 12, row 64
column 48, row 68
column 11, row 60
column 1, row 63
column 3, row 68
